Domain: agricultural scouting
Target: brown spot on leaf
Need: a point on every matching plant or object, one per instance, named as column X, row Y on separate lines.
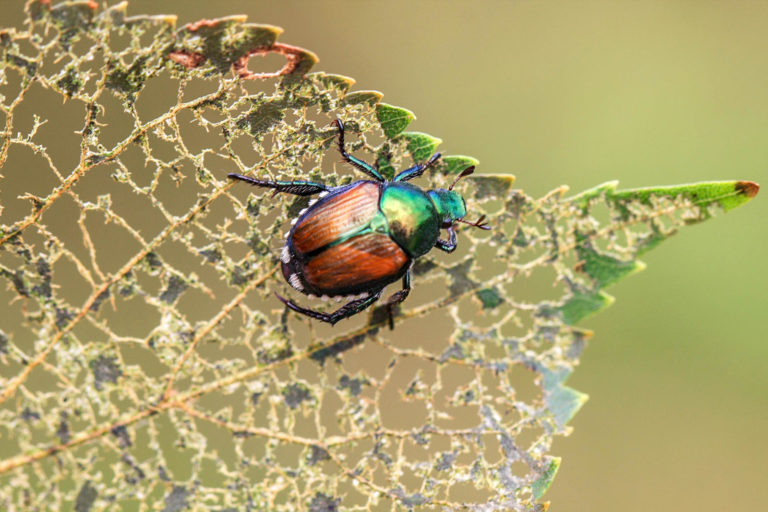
column 294, row 57
column 187, row 59
column 193, row 27
column 297, row 60
column 748, row 188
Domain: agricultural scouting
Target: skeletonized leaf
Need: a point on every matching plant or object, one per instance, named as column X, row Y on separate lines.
column 143, row 355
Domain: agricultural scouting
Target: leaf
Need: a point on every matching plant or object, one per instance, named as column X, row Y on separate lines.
column 143, row 355
column 541, row 485
column 581, row 305
column 454, row 164
column 727, row 194
column 564, row 402
column 492, row 185
column 362, row 97
column 393, row 120
column 421, row 146
column 490, row 297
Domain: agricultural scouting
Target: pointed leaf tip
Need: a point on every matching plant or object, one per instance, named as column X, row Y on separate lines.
column 564, row 402
column 581, row 305
column 420, row 145
column 727, row 194
column 454, row 164
column 604, row 268
column 541, row 485
column 359, row 97
column 393, row 120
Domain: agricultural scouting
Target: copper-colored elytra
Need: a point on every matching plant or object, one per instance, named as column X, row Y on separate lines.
column 362, row 259
column 337, row 216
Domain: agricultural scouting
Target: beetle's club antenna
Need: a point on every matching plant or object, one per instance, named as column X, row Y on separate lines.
column 479, row 223
column 466, row 172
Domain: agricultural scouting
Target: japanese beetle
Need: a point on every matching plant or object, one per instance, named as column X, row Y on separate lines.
column 358, row 238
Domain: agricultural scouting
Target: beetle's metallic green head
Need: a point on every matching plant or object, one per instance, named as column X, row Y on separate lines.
column 450, row 205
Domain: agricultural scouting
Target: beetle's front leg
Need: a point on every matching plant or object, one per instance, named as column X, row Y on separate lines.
column 418, row 169
column 345, row 311
column 398, row 297
column 447, row 245
column 356, row 162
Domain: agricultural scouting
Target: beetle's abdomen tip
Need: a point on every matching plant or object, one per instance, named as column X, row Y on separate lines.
column 295, row 281
column 291, row 273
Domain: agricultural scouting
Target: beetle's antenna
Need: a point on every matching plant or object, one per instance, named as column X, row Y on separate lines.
column 466, row 172
column 479, row 223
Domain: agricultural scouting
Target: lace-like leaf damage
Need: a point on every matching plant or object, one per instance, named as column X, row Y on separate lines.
column 143, row 356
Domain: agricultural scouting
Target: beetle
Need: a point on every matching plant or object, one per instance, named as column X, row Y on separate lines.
column 358, row 238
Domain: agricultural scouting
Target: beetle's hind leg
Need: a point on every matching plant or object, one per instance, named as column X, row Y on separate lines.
column 298, row 188
column 345, row 311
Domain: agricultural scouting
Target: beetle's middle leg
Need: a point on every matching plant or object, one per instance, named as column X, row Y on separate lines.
column 345, row 311
column 398, row 297
column 298, row 188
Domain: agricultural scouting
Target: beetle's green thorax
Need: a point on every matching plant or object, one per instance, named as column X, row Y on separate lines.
column 413, row 221
column 450, row 205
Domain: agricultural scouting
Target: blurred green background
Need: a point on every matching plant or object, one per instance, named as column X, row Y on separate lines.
column 555, row 91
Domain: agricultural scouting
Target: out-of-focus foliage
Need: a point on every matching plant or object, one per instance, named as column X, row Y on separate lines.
column 146, row 364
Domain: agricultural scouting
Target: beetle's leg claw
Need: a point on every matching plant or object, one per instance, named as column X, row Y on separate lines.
column 299, row 309
column 304, row 311
column 285, row 301
column 395, row 299
column 391, row 317
column 392, row 301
